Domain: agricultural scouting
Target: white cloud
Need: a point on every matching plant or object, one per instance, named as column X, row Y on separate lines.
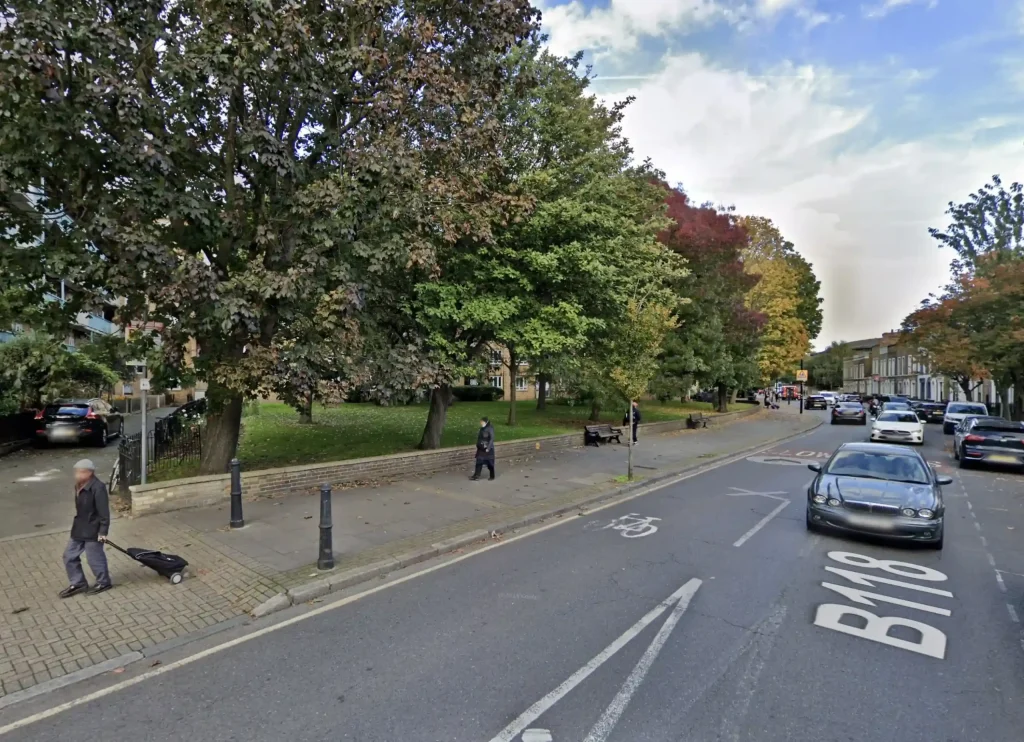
column 621, row 25
column 887, row 6
column 779, row 146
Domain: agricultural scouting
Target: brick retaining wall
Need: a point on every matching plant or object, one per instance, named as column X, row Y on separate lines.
column 204, row 491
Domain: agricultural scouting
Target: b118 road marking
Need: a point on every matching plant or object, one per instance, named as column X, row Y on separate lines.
column 932, row 642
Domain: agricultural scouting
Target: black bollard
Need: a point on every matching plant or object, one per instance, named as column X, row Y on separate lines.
column 326, row 558
column 237, row 521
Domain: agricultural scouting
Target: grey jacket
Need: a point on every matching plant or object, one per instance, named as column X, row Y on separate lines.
column 92, row 512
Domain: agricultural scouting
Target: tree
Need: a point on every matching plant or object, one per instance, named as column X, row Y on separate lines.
column 547, row 282
column 990, row 222
column 36, row 368
column 777, row 296
column 948, row 348
column 632, row 356
column 229, row 166
column 809, row 299
column 717, row 335
column 825, row 369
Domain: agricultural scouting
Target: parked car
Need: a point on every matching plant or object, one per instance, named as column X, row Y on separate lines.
column 78, row 420
column 898, row 426
column 831, row 397
column 878, row 489
column 957, row 411
column 816, row 402
column 931, row 412
column 893, row 406
column 849, row 412
column 990, row 440
column 963, row 427
column 188, row 414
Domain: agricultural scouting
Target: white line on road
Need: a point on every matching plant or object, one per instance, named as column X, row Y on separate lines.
column 1013, row 613
column 977, row 525
column 991, row 559
column 984, row 542
column 999, row 579
column 969, row 506
column 613, row 713
column 681, row 597
column 760, row 524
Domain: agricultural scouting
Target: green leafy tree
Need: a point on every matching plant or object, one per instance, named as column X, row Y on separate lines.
column 231, row 167
column 825, row 369
column 990, row 222
column 36, row 368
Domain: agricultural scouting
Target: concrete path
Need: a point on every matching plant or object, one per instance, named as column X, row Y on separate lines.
column 702, row 611
column 231, row 572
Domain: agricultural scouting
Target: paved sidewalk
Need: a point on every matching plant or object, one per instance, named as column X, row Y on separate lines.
column 231, row 572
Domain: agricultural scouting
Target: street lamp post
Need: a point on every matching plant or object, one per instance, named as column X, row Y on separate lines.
column 801, row 387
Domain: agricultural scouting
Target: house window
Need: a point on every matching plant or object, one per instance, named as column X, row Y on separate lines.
column 497, row 382
column 521, row 383
column 495, row 359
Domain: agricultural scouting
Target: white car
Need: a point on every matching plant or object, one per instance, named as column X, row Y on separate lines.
column 830, row 398
column 957, row 411
column 897, row 426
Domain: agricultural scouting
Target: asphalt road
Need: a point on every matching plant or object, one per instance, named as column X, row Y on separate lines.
column 705, row 624
column 35, row 483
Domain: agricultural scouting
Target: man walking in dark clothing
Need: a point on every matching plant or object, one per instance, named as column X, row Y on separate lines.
column 484, row 449
column 88, row 532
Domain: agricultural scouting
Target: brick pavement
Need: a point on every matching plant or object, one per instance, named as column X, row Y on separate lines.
column 231, row 572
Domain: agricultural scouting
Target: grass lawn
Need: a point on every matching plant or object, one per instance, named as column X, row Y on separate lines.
column 273, row 437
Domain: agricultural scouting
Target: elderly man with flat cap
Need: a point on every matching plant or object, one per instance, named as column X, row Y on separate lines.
column 88, row 532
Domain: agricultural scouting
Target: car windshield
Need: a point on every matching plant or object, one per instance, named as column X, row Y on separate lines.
column 68, row 409
column 895, row 406
column 969, row 409
column 898, row 417
column 894, row 467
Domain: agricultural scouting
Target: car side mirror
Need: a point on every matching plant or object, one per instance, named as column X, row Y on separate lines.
column 814, row 467
column 943, row 479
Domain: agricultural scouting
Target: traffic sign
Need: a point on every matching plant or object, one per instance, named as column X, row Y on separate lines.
column 801, row 375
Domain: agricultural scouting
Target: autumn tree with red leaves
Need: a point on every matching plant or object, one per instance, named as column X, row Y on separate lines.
column 716, row 341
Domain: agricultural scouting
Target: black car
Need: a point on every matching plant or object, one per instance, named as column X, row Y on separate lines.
column 186, row 416
column 878, row 489
column 990, row 441
column 78, row 420
column 931, row 412
column 816, row 402
column 849, row 412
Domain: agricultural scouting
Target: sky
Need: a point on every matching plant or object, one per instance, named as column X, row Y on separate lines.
column 850, row 124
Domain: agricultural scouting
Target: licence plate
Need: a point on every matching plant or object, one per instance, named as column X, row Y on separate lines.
column 63, row 434
column 1001, row 459
column 867, row 521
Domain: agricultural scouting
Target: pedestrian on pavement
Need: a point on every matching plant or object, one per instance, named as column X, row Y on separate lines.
column 88, row 532
column 635, row 410
column 484, row 449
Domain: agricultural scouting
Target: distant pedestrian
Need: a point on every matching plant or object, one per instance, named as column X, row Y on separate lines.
column 484, row 449
column 767, row 399
column 88, row 532
column 635, row 415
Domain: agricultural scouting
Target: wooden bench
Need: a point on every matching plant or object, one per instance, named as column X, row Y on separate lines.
column 598, row 434
column 697, row 420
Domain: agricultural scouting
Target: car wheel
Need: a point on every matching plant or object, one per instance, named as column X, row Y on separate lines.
column 120, row 430
column 947, row 429
column 956, row 452
column 963, row 462
column 101, row 439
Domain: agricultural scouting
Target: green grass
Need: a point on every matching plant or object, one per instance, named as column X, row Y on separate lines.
column 272, row 436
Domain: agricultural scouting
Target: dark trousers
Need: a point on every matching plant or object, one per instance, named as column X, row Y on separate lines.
column 634, row 431
column 481, row 463
column 97, row 562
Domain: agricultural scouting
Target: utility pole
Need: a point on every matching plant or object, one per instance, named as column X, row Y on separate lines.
column 801, row 386
column 144, row 436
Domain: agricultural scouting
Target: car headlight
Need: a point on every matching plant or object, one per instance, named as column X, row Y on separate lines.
column 909, row 512
column 833, row 502
column 819, row 499
column 926, row 513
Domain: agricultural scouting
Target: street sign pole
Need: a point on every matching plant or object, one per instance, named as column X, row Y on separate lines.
column 801, row 386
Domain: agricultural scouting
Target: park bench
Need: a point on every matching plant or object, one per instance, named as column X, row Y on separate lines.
column 598, row 434
column 697, row 420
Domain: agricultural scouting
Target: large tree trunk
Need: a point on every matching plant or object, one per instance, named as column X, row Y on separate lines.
column 723, row 398
column 223, row 425
column 306, row 413
column 542, row 392
column 965, row 385
column 440, row 401
column 512, row 368
column 733, row 393
column 595, row 411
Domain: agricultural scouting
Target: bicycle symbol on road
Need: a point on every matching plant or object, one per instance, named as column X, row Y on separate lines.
column 634, row 525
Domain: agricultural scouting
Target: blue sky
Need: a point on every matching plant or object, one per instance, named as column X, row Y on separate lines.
column 851, row 124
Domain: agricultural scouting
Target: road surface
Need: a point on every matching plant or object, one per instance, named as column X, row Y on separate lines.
column 35, row 483
column 702, row 611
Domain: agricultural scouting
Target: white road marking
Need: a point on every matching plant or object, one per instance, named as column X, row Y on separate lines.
column 870, row 580
column 760, row 649
column 1013, row 613
column 760, row 524
column 876, row 628
column 969, row 506
column 999, row 579
column 604, row 726
column 991, row 559
column 682, row 595
column 865, row 598
column 537, row 735
column 774, row 495
column 341, row 602
column 977, row 525
column 984, row 542
column 634, row 525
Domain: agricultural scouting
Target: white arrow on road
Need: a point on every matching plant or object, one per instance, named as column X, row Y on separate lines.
column 680, row 601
